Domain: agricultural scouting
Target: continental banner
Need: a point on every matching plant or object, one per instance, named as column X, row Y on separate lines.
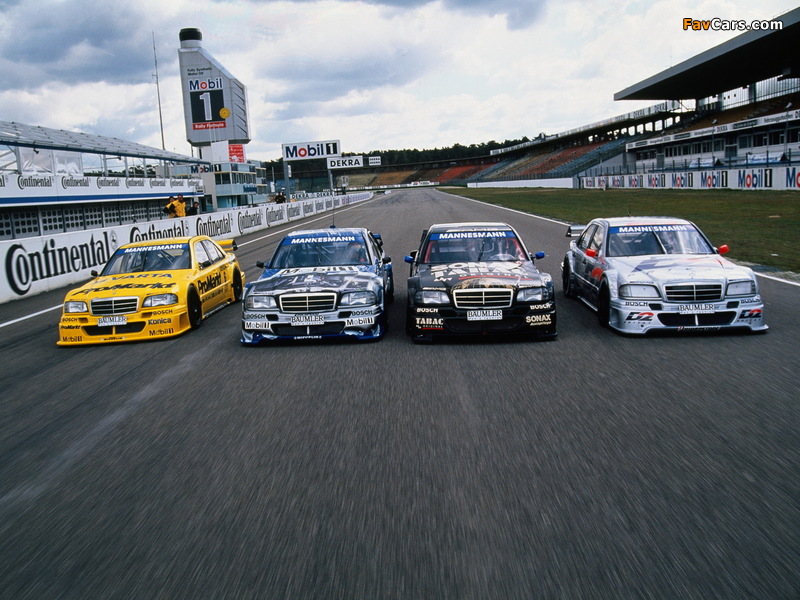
column 39, row 264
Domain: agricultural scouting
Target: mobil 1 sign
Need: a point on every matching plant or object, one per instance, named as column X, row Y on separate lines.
column 308, row 150
column 346, row 162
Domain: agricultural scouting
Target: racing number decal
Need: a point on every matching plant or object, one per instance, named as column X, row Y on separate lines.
column 206, row 106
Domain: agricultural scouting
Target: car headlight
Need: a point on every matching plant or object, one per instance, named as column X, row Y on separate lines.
column 637, row 290
column 742, row 288
column 530, row 294
column 357, row 299
column 75, row 306
column 160, row 300
column 261, row 302
column 431, row 297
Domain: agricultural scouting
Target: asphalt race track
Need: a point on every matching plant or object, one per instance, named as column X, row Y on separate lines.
column 594, row 466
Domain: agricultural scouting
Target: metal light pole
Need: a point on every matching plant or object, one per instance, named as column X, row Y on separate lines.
column 158, row 93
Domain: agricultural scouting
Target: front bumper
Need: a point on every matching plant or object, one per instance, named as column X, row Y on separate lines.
column 76, row 329
column 362, row 323
column 530, row 319
column 640, row 317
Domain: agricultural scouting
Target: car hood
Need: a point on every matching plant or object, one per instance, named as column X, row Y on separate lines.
column 128, row 284
column 677, row 267
column 511, row 274
column 309, row 279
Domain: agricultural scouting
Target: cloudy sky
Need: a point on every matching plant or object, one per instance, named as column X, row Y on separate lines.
column 375, row 74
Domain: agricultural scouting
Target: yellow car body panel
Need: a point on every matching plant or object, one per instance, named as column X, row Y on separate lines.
column 204, row 276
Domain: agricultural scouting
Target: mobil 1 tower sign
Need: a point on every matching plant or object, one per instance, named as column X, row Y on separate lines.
column 214, row 102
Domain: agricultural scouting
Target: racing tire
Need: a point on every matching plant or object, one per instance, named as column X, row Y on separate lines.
column 604, row 306
column 567, row 282
column 237, row 286
column 194, row 308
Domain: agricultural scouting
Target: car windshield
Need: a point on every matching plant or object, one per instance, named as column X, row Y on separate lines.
column 320, row 251
column 642, row 240
column 472, row 246
column 166, row 257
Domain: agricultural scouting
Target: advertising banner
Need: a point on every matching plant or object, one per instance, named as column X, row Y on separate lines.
column 38, row 264
column 751, row 178
column 309, row 150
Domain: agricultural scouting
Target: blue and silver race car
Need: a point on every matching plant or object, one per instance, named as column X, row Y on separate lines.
column 319, row 284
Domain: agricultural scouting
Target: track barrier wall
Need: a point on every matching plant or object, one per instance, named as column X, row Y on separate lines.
column 751, row 178
column 38, row 264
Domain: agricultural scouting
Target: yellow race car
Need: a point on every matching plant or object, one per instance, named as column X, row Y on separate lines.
column 153, row 289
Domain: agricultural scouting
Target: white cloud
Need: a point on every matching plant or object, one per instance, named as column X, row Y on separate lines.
column 377, row 74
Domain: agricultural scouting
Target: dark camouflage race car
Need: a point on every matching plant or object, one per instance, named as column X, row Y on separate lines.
column 477, row 278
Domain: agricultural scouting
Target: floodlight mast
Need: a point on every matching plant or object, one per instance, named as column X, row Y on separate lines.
column 158, row 93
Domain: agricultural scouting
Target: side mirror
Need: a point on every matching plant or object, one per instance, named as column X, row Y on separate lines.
column 538, row 255
column 260, row 264
column 723, row 249
column 411, row 256
column 575, row 230
column 94, row 273
column 387, row 260
column 591, row 252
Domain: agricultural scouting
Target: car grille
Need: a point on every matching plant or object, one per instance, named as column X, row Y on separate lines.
column 114, row 306
column 303, row 303
column 507, row 325
column 694, row 292
column 326, row 329
column 483, row 298
column 706, row 320
column 115, row 329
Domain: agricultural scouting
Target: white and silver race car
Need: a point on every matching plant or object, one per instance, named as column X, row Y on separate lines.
column 643, row 274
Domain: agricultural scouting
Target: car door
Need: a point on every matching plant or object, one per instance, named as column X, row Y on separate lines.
column 594, row 263
column 212, row 275
column 580, row 258
column 381, row 268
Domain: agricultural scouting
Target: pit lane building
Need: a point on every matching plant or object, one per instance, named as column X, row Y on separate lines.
column 54, row 181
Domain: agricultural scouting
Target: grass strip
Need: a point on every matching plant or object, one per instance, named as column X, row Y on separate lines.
column 759, row 226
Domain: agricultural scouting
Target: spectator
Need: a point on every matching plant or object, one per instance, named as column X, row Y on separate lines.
column 178, row 206
column 169, row 207
column 193, row 209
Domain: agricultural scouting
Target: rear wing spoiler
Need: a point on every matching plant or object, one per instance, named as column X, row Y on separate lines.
column 575, row 230
column 228, row 245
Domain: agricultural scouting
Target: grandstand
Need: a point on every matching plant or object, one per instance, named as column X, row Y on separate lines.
column 735, row 106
